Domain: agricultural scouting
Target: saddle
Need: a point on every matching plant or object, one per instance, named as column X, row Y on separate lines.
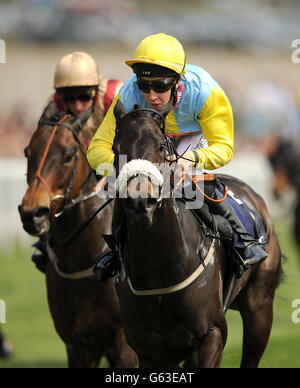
column 248, row 217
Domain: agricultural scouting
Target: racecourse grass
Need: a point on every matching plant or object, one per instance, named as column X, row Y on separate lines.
column 284, row 346
column 30, row 328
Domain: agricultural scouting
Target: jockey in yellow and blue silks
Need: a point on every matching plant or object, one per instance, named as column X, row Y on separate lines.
column 201, row 106
column 201, row 119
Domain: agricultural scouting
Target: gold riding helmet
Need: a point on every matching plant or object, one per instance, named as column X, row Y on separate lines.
column 77, row 69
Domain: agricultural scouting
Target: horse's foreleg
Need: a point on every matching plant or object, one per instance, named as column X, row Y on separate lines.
column 257, row 329
column 146, row 363
column 210, row 351
column 123, row 357
column 80, row 360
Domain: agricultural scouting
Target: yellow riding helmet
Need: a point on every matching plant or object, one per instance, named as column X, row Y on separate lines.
column 162, row 50
column 76, row 69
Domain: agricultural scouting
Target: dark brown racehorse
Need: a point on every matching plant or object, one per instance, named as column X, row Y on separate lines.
column 171, row 306
column 285, row 161
column 59, row 197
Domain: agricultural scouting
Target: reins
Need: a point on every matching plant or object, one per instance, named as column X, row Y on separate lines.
column 171, row 150
column 169, row 145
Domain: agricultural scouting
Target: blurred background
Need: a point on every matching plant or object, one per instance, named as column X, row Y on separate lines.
column 247, row 46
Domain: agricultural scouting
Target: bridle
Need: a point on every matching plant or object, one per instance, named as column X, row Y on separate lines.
column 168, row 145
column 169, row 149
column 38, row 175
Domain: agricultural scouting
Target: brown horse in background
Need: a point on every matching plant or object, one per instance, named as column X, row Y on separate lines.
column 170, row 315
column 285, row 162
column 59, row 197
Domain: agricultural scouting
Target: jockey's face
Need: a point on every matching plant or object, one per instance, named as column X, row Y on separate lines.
column 78, row 106
column 154, row 99
column 79, row 101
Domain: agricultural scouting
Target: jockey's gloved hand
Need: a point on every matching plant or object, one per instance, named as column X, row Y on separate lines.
column 184, row 164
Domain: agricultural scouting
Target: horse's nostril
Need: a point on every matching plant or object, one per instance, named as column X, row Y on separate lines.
column 42, row 212
column 35, row 221
column 139, row 205
column 151, row 202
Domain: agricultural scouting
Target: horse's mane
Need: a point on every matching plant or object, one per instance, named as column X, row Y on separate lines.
column 53, row 114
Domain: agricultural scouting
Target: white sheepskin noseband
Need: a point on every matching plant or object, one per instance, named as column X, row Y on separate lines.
column 136, row 167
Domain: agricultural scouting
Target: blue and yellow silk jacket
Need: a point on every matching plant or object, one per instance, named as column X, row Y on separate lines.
column 202, row 107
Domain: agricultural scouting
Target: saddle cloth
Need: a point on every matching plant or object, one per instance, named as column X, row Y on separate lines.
column 248, row 217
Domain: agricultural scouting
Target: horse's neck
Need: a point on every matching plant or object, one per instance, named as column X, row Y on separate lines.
column 161, row 249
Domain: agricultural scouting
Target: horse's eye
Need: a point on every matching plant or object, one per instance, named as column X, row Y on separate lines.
column 162, row 148
column 68, row 158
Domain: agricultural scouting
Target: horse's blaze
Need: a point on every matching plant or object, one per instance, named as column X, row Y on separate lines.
column 36, row 196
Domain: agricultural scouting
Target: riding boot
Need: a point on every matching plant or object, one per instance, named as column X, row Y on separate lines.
column 6, row 349
column 40, row 255
column 248, row 249
column 110, row 264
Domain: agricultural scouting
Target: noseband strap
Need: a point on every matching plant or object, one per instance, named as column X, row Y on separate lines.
column 38, row 174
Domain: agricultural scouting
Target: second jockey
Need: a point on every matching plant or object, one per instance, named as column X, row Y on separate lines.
column 79, row 86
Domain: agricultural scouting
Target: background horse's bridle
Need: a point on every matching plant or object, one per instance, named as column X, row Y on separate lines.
column 38, row 174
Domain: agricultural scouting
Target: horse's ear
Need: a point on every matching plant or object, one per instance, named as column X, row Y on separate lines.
column 166, row 109
column 50, row 111
column 119, row 111
column 83, row 118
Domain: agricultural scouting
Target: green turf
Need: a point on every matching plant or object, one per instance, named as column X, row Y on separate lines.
column 29, row 326
column 284, row 346
column 28, row 323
